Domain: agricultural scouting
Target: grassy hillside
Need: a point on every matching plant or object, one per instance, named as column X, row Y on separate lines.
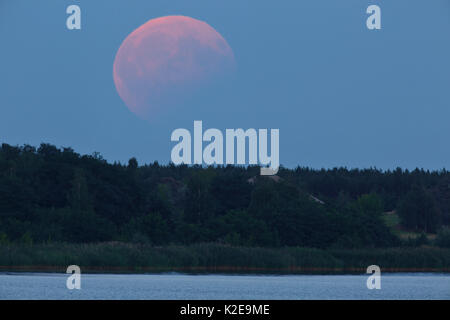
column 392, row 220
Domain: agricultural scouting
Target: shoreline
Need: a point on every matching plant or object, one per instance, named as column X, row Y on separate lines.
column 232, row 271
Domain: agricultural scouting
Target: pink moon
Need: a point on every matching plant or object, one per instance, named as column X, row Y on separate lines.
column 166, row 60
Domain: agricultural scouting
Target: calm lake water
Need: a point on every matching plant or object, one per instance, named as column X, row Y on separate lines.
column 227, row 287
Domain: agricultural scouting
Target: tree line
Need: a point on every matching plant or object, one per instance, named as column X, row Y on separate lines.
column 50, row 194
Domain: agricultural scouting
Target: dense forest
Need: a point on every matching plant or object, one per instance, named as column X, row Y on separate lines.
column 53, row 195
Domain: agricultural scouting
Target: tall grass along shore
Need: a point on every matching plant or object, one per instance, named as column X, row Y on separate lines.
column 117, row 257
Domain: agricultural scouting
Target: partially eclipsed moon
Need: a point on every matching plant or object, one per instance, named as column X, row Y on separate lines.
column 165, row 60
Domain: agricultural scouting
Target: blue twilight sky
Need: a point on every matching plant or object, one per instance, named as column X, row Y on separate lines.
column 340, row 94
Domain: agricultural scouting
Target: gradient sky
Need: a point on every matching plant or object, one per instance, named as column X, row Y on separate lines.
column 340, row 94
